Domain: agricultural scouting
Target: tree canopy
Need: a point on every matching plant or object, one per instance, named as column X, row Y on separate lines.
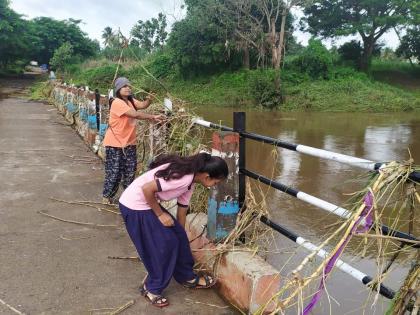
column 368, row 18
column 151, row 34
column 37, row 39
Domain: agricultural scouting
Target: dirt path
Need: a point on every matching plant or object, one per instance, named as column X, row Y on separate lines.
column 54, row 267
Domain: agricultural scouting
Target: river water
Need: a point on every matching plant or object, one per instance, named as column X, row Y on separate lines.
column 377, row 137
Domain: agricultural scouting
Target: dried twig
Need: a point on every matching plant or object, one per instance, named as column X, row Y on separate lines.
column 121, row 257
column 208, row 304
column 11, row 307
column 74, row 239
column 388, row 237
column 76, row 222
column 86, row 204
column 122, row 308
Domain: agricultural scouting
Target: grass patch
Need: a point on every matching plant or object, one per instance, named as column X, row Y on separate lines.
column 349, row 95
column 397, row 73
column 40, row 91
column 346, row 91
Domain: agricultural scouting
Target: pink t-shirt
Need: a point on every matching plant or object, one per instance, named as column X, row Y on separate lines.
column 180, row 189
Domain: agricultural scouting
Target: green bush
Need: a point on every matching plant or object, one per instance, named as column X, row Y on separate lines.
column 13, row 69
column 161, row 65
column 263, row 90
column 73, row 69
column 351, row 51
column 62, row 56
column 293, row 77
column 100, row 77
column 40, row 91
column 315, row 60
column 341, row 72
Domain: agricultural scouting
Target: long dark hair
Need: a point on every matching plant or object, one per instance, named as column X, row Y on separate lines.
column 180, row 166
column 130, row 99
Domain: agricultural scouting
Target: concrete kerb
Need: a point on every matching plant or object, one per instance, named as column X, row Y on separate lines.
column 244, row 280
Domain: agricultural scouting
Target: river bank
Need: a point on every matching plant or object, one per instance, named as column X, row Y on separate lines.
column 344, row 90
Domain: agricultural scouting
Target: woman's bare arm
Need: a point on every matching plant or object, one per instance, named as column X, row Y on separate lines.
column 149, row 191
column 140, row 115
column 142, row 104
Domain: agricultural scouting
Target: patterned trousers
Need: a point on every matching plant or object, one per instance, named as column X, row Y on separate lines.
column 120, row 166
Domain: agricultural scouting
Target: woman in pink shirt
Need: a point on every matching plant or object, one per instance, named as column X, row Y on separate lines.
column 159, row 238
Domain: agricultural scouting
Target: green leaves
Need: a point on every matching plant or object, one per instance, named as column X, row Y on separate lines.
column 62, row 55
column 369, row 18
column 197, row 46
column 315, row 60
column 151, row 34
column 410, row 44
column 22, row 40
column 51, row 34
column 344, row 17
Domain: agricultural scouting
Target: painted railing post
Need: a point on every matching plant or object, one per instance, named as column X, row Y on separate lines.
column 97, row 98
column 223, row 204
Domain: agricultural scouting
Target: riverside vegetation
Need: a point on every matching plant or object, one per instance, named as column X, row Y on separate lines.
column 238, row 53
column 340, row 89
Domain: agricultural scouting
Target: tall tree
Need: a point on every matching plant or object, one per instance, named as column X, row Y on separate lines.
column 52, row 34
column 108, row 36
column 260, row 25
column 410, row 45
column 234, row 17
column 197, row 46
column 410, row 42
column 368, row 18
column 16, row 38
column 151, row 34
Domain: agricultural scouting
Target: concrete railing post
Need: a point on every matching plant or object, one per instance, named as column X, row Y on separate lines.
column 223, row 204
column 97, row 98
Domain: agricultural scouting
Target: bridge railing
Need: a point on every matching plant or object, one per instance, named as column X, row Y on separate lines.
column 239, row 121
column 239, row 127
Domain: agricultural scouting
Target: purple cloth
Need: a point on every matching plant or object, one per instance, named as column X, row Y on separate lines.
column 367, row 215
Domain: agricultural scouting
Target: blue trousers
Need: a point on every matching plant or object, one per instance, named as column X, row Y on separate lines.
column 164, row 251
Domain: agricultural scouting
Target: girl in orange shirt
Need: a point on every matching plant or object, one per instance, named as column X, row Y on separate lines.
column 120, row 138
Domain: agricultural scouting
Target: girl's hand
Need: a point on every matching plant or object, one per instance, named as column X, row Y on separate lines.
column 150, row 97
column 159, row 118
column 166, row 219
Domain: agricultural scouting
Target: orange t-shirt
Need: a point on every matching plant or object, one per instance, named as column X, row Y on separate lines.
column 121, row 130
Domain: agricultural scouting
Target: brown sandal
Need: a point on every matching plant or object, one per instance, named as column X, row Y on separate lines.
column 210, row 281
column 155, row 301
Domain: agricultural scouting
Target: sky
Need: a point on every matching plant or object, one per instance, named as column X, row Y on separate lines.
column 98, row 14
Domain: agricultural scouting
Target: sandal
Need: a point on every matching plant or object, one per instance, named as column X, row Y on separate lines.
column 210, row 281
column 155, row 301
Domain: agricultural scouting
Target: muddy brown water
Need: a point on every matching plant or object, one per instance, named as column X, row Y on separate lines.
column 377, row 137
